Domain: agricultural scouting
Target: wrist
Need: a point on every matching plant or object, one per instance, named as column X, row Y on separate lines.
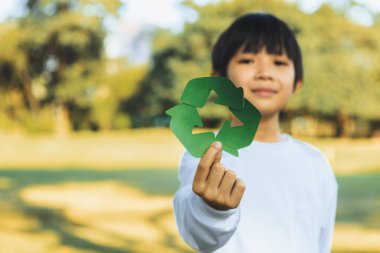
column 210, row 210
column 216, row 206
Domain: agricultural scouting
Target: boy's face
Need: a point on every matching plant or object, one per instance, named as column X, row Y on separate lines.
column 267, row 79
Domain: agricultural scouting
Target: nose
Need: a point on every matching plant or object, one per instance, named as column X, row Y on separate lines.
column 263, row 70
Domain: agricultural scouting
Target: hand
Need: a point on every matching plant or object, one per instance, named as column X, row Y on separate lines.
column 217, row 186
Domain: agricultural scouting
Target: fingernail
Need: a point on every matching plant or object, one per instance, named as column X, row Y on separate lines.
column 217, row 144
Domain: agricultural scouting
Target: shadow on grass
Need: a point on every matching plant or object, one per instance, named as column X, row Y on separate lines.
column 359, row 200
column 53, row 220
column 150, row 181
column 358, row 203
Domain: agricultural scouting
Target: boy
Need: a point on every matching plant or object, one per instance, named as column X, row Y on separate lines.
column 289, row 189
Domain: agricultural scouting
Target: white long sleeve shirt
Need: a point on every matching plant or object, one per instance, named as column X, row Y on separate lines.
column 288, row 206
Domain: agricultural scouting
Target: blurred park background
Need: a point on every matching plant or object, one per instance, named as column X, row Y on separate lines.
column 87, row 162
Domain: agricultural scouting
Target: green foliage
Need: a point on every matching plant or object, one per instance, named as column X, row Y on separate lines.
column 340, row 72
column 340, row 60
column 52, row 65
column 53, row 59
column 113, row 89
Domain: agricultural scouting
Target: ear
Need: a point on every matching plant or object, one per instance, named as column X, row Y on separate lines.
column 297, row 86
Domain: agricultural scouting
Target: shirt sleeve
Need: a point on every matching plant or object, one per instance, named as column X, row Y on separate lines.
column 201, row 226
column 328, row 214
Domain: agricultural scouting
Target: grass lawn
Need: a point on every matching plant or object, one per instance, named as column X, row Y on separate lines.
column 152, row 148
column 113, row 193
column 115, row 211
column 76, row 210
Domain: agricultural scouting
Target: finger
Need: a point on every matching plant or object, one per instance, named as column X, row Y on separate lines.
column 227, row 184
column 237, row 193
column 218, row 156
column 215, row 176
column 207, row 161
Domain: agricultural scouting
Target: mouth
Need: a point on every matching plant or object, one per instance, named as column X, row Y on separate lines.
column 264, row 92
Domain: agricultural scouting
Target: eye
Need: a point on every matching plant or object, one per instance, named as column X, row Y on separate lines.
column 281, row 63
column 245, row 61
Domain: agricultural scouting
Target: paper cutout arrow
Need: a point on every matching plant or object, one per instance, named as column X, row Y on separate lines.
column 197, row 91
column 185, row 116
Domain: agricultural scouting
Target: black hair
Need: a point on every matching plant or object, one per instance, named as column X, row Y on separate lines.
column 255, row 31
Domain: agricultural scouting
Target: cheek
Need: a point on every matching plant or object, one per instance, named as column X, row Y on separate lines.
column 288, row 81
column 231, row 74
column 237, row 76
column 288, row 89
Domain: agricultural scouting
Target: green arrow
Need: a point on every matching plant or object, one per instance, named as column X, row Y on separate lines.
column 198, row 89
column 184, row 118
column 234, row 138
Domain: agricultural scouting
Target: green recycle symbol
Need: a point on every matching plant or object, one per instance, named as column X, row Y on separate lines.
column 184, row 116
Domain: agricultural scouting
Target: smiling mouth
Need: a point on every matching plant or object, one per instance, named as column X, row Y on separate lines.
column 262, row 92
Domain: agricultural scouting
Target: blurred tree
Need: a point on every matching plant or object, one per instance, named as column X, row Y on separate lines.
column 180, row 57
column 116, row 86
column 156, row 90
column 340, row 60
column 53, row 55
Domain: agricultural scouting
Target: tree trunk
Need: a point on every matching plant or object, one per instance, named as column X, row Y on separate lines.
column 343, row 128
column 374, row 129
column 26, row 82
column 62, row 121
